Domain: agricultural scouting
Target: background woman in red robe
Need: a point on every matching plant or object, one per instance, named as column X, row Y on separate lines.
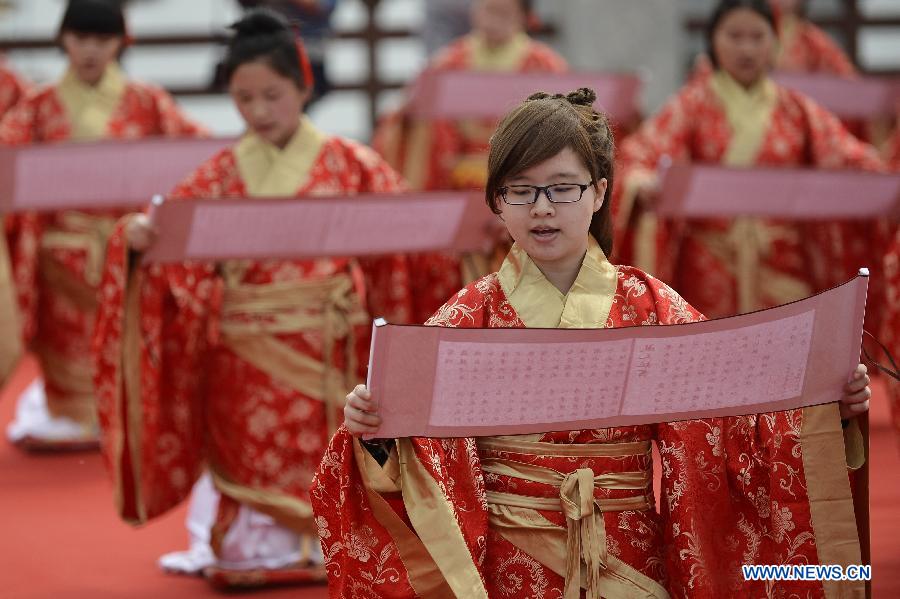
column 238, row 368
column 550, row 514
column 442, row 154
column 57, row 258
column 739, row 117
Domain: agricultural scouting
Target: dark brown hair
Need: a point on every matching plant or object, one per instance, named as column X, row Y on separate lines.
column 93, row 17
column 542, row 127
column 264, row 35
column 724, row 8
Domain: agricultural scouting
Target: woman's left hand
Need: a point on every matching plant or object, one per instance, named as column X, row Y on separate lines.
column 856, row 394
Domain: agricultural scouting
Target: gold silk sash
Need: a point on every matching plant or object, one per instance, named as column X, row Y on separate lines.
column 743, row 245
column 70, row 391
column 90, row 108
column 252, row 316
column 78, row 232
column 578, row 552
column 423, row 574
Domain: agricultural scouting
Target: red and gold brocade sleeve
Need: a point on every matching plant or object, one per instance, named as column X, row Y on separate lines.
column 416, row 526
column 770, row 488
column 22, row 231
column 667, row 133
column 892, row 150
column 172, row 120
column 388, row 287
column 12, row 89
column 829, row 56
column 149, row 338
column 846, row 246
column 542, row 57
column 640, row 237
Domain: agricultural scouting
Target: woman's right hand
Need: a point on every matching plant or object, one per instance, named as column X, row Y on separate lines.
column 140, row 233
column 360, row 412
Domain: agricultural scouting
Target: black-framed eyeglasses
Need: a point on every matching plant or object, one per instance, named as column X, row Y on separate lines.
column 558, row 193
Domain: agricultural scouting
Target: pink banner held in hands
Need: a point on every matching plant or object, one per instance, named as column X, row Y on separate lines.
column 315, row 226
column 707, row 191
column 457, row 382
column 864, row 98
column 475, row 94
column 106, row 174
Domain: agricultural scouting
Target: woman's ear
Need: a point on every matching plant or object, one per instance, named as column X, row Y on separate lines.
column 305, row 95
column 600, row 186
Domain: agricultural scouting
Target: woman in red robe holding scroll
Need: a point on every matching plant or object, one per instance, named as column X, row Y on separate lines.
column 57, row 258
column 441, row 154
column 238, row 368
column 739, row 117
column 550, row 514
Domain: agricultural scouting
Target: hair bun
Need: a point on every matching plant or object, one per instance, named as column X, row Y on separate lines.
column 583, row 96
column 261, row 21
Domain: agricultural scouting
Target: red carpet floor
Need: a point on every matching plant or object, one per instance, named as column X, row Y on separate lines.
column 60, row 538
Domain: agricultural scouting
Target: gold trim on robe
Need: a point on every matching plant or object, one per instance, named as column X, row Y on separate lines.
column 423, row 574
column 11, row 346
column 433, row 519
column 90, row 108
column 830, row 498
column 128, row 407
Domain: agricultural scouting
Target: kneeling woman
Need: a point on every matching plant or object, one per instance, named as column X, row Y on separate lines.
column 547, row 515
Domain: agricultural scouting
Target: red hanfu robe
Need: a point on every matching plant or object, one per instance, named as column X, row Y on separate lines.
column 890, row 325
column 805, row 48
column 12, row 89
column 489, row 517
column 237, row 367
column 724, row 267
column 57, row 258
column 441, row 155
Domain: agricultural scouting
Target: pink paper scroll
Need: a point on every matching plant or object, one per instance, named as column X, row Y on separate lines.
column 473, row 94
column 454, row 382
column 857, row 98
column 365, row 224
column 705, row 191
column 107, row 174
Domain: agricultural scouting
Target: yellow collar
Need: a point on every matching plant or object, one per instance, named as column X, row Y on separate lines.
column 508, row 57
column 270, row 171
column 749, row 113
column 541, row 305
column 91, row 107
